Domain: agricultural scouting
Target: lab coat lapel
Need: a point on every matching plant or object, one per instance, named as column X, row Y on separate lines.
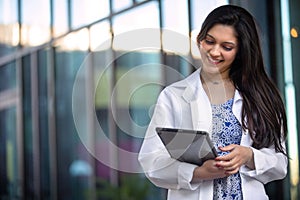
column 237, row 106
column 190, row 96
column 195, row 111
column 199, row 104
column 201, row 113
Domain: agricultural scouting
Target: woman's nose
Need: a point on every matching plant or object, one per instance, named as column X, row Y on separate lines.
column 215, row 50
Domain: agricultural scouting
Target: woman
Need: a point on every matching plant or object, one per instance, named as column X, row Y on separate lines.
column 232, row 98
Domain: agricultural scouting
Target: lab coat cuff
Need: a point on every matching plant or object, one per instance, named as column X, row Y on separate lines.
column 259, row 163
column 185, row 176
column 251, row 172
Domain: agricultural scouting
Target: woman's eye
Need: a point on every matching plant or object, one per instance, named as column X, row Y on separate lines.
column 209, row 41
column 227, row 48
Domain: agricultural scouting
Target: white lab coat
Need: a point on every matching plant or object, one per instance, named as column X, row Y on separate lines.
column 184, row 104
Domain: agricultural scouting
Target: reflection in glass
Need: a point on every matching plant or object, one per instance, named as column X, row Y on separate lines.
column 87, row 11
column 175, row 15
column 35, row 27
column 9, row 27
column 8, row 11
column 144, row 16
column 60, row 17
column 119, row 5
column 131, row 28
column 175, row 18
column 78, row 40
column 100, row 36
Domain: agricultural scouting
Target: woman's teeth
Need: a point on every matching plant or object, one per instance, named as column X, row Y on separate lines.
column 214, row 61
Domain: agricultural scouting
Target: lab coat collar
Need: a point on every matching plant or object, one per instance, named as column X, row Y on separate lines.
column 190, row 86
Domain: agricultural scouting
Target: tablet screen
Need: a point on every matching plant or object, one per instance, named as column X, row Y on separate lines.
column 190, row 146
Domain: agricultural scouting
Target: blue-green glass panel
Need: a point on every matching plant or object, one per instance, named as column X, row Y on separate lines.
column 8, row 76
column 9, row 172
column 43, row 124
column 71, row 153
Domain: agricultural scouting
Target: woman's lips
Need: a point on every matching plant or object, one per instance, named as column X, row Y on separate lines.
column 213, row 61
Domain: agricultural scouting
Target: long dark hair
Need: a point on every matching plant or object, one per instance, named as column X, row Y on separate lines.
column 263, row 110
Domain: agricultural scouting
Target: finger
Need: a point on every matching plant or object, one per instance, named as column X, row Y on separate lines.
column 226, row 157
column 230, row 147
column 230, row 166
column 231, row 172
column 224, row 165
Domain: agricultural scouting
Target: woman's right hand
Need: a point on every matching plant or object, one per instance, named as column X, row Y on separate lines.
column 208, row 171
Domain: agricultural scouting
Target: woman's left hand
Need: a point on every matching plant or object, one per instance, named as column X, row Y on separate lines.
column 237, row 156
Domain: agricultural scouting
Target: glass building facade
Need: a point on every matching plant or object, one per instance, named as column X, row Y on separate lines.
column 79, row 80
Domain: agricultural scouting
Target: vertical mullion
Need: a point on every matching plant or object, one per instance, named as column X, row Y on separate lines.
column 163, row 56
column 70, row 15
column 52, row 124
column 52, row 19
column 19, row 22
column 190, row 14
column 113, row 154
column 290, row 97
column 35, row 125
column 20, row 132
column 90, row 88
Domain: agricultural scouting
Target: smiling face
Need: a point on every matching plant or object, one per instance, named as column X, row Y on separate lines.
column 218, row 50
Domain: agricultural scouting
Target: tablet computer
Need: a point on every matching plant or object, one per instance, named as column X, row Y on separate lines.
column 190, row 146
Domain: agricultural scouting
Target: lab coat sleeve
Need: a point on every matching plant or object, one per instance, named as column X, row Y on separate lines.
column 159, row 167
column 269, row 165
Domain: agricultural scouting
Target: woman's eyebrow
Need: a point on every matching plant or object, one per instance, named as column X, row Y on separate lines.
column 210, row 36
column 230, row 43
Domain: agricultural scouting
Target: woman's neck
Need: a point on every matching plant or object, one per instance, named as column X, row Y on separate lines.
column 215, row 79
column 217, row 89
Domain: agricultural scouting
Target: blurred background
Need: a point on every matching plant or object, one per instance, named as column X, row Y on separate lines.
column 79, row 78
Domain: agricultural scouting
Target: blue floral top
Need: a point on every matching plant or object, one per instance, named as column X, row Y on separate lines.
column 226, row 130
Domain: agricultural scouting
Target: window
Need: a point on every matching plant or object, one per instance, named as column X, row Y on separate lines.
column 35, row 29
column 60, row 17
column 87, row 11
column 9, row 27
